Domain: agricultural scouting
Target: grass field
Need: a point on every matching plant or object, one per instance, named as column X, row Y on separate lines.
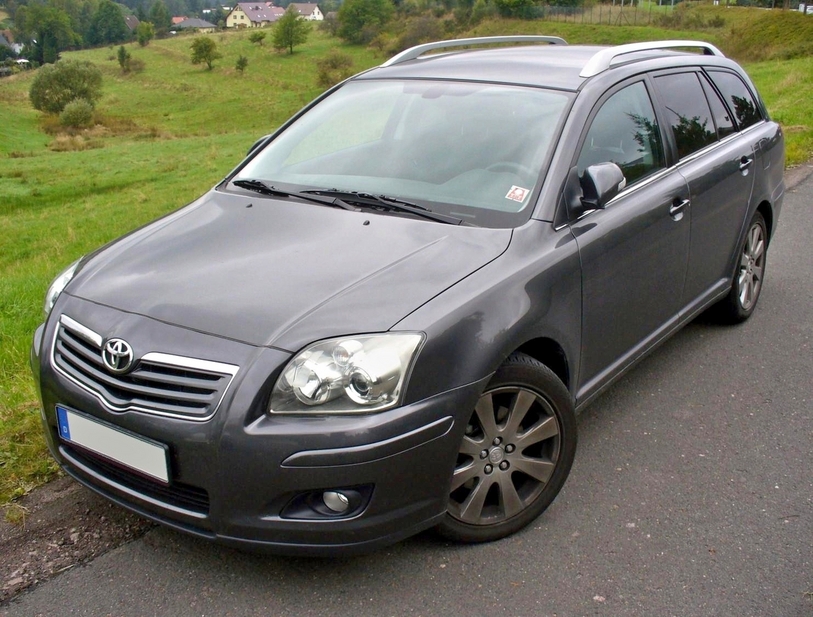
column 169, row 133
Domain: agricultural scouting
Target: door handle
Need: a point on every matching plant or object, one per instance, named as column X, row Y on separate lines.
column 745, row 163
column 677, row 207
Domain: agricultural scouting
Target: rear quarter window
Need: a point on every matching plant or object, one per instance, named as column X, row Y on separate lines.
column 738, row 97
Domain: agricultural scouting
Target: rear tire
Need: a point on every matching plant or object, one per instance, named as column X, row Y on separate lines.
column 515, row 456
column 749, row 275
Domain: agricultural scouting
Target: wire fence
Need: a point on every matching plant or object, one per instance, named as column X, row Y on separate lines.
column 629, row 13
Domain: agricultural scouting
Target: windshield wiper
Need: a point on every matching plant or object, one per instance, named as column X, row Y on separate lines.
column 385, row 202
column 259, row 186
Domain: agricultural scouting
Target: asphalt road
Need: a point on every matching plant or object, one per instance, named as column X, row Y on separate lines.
column 692, row 494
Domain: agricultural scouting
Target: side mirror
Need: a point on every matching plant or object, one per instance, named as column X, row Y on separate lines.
column 600, row 183
column 257, row 144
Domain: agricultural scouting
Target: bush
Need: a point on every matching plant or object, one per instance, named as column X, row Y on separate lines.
column 136, row 65
column 242, row 63
column 145, row 32
column 58, row 84
column 336, row 66
column 257, row 37
column 78, row 114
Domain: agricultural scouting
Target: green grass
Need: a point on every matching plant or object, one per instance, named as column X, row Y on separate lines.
column 169, row 133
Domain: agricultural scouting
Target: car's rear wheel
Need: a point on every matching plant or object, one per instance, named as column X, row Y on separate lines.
column 741, row 300
column 516, row 453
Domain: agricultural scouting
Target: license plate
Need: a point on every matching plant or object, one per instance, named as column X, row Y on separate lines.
column 138, row 453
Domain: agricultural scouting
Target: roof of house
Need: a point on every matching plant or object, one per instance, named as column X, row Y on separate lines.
column 195, row 23
column 178, row 19
column 259, row 12
column 4, row 41
column 305, row 8
column 131, row 21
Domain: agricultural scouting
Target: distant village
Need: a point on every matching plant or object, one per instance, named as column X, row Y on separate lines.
column 241, row 15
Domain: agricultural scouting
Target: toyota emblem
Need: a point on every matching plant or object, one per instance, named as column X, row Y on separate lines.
column 117, row 356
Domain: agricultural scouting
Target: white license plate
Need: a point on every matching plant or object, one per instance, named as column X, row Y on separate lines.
column 138, row 453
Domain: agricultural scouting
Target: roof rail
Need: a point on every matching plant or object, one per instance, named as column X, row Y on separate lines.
column 419, row 50
column 601, row 61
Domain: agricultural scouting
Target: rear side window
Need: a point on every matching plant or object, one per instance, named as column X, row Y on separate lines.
column 687, row 111
column 722, row 117
column 738, row 97
column 625, row 132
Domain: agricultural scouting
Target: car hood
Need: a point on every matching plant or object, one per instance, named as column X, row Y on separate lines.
column 282, row 273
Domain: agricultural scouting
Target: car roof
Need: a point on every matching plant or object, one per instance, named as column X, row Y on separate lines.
column 557, row 66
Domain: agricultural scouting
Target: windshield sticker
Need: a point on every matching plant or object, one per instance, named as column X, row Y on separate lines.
column 517, row 193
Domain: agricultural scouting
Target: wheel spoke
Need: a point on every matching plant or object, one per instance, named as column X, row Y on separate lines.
column 472, row 508
column 519, row 409
column 509, row 498
column 537, row 469
column 471, row 447
column 545, row 429
column 485, row 414
column 758, row 249
column 463, row 474
column 745, row 293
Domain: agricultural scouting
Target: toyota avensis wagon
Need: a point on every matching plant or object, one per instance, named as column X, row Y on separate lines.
column 385, row 318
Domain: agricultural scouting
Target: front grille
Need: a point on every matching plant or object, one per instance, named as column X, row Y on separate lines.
column 159, row 383
column 184, row 496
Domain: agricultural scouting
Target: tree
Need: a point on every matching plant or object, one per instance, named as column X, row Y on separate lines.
column 257, row 37
column 107, row 26
column 242, row 63
column 160, row 17
column 145, row 32
column 57, row 85
column 204, row 50
column 45, row 31
column 124, row 58
column 290, row 30
column 360, row 21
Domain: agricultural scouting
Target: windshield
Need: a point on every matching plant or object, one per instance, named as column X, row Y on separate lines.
column 473, row 151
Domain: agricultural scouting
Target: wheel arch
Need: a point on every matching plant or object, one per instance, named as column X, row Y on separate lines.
column 766, row 211
column 551, row 354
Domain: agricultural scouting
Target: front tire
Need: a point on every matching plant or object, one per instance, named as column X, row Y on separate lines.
column 515, row 456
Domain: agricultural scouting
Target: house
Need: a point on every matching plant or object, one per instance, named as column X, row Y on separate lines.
column 253, row 15
column 308, row 11
column 196, row 24
column 132, row 22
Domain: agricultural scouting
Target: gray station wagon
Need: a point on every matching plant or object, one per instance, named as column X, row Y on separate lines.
column 385, row 318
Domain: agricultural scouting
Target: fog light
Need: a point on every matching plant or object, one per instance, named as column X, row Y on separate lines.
column 336, row 501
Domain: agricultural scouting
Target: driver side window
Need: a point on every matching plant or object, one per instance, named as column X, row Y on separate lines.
column 625, row 131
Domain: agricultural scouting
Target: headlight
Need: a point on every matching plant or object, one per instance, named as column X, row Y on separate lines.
column 60, row 282
column 357, row 374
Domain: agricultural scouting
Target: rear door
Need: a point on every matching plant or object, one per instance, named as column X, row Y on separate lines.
column 718, row 164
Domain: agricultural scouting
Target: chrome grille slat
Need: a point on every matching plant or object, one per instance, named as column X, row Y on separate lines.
column 160, row 384
column 130, row 386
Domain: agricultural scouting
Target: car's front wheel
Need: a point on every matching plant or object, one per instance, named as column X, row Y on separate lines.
column 516, row 453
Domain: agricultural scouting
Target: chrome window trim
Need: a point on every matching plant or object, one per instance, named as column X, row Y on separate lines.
column 169, row 359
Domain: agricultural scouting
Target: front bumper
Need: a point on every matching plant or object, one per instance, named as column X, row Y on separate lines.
column 234, row 477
